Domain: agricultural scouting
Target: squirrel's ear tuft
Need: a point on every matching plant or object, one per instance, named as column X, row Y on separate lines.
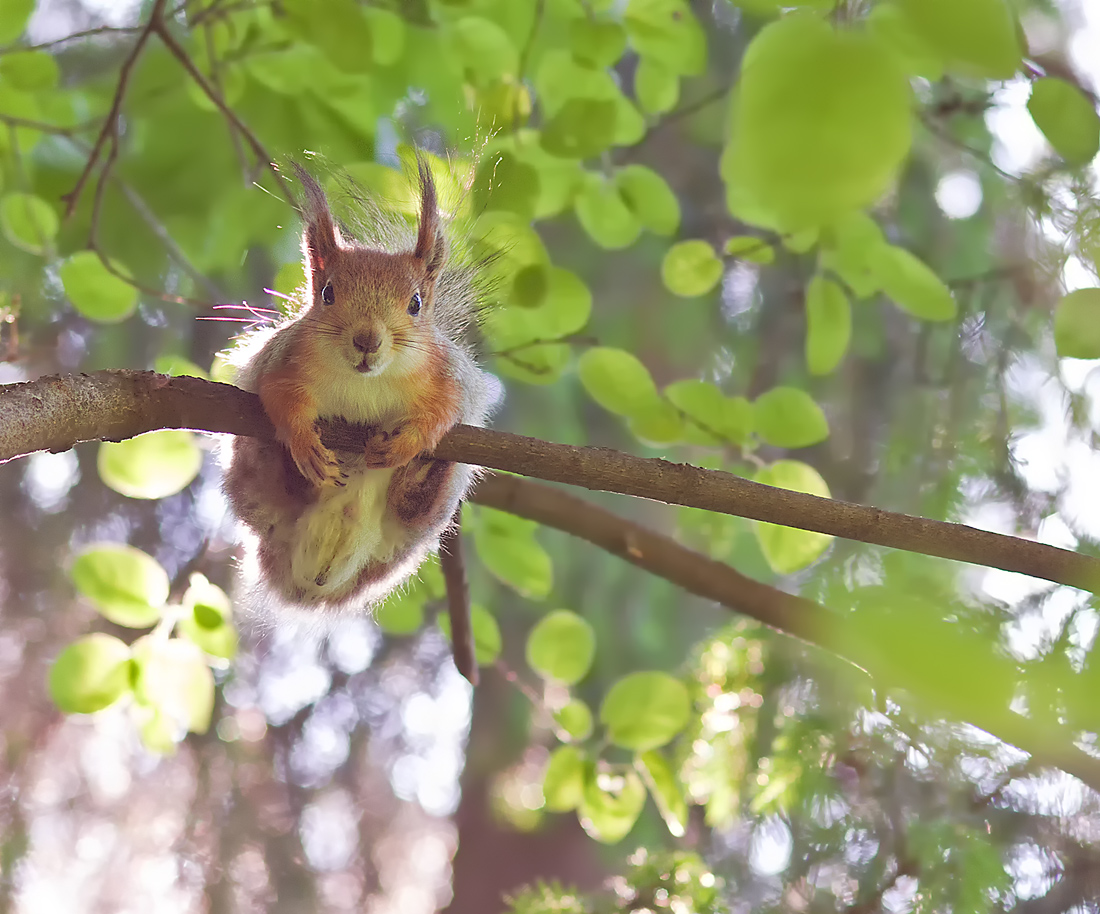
column 320, row 238
column 431, row 246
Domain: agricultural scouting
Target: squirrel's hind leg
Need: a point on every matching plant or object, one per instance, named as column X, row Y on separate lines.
column 425, row 493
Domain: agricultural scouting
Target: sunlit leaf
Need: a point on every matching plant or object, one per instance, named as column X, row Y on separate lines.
column 125, row 585
column 605, row 215
column 666, row 790
column 561, row 646
column 575, row 719
column 507, row 546
column 668, row 32
column 174, row 680
column 30, row 71
column 789, row 549
column 611, row 804
column 597, row 42
column 208, row 622
column 691, row 268
column 912, row 284
column 28, row 222
column 90, row 674
column 13, row 18
column 645, row 710
column 617, row 380
column 563, row 783
column 487, row 639
column 95, row 291
column 788, row 417
column 828, row 324
column 974, row 37
column 656, row 87
column 1067, row 118
column 1077, row 325
column 402, row 613
column 650, row 198
column 154, row 465
column 716, row 417
column 746, row 247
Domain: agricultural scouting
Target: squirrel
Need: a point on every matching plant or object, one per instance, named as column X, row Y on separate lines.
column 374, row 341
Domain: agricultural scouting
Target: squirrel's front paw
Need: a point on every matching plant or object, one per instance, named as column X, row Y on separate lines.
column 316, row 462
column 391, row 449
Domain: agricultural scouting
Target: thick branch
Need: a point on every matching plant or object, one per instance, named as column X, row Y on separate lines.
column 54, row 413
column 57, row 412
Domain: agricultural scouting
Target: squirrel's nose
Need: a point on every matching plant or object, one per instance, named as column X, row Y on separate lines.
column 367, row 343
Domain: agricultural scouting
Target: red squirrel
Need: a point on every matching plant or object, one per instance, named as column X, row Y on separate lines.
column 374, row 341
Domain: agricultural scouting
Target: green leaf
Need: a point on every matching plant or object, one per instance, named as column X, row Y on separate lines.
column 484, row 48
column 178, row 366
column 174, row 680
column 90, row 674
column 597, row 42
column 290, row 278
column 124, row 584
column 616, row 380
column 828, row 325
column 342, row 34
column 659, row 423
column 789, row 549
column 656, row 87
column 645, row 710
column 973, row 37
column 575, row 719
column 849, row 247
column 665, row 789
column 487, row 640
column 154, row 465
column 402, row 613
column 96, row 292
column 28, row 222
column 14, row 15
column 1067, row 118
column 506, row 546
column 561, row 646
column 912, row 284
column 888, row 24
column 821, row 125
column 207, row 623
column 789, row 418
column 691, row 268
column 716, row 417
column 611, row 804
column 503, row 182
column 1077, row 325
column 563, row 783
column 667, row 32
column 561, row 79
column 29, row 71
column 650, row 198
column 747, row 247
column 387, row 30
column 605, row 216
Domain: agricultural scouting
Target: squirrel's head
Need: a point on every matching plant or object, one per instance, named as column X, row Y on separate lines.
column 378, row 306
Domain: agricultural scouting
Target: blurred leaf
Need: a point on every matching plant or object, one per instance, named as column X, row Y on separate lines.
column 1067, row 118
column 974, row 37
column 912, row 284
column 616, row 380
column 659, row 423
column 484, row 48
column 717, row 418
column 656, row 87
column 154, row 465
column 13, row 18
column 342, row 34
column 821, row 125
column 208, row 622
column 402, row 613
column 124, row 584
column 667, row 792
column 174, row 680
column 645, row 710
column 828, row 325
column 90, row 674
column 691, row 268
column 597, row 42
column 650, row 198
column 604, row 215
column 789, row 418
column 290, row 278
column 789, row 549
column 503, row 182
column 747, row 247
column 487, row 640
column 507, row 546
column 575, row 719
column 30, row 71
column 28, row 222
column 1077, row 325
column 561, row 646
column 611, row 804
column 668, row 32
column 96, row 292
column 563, row 783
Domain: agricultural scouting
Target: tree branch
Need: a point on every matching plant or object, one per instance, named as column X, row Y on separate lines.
column 55, row 413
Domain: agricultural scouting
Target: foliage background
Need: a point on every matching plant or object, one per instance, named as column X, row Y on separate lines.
column 328, row 776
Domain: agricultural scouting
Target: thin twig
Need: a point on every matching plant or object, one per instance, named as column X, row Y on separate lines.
column 86, row 33
column 110, row 124
column 262, row 156
column 458, row 599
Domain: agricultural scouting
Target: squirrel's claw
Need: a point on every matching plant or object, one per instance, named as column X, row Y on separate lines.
column 316, row 463
column 392, row 449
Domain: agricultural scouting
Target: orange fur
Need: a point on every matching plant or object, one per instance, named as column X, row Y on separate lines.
column 365, row 348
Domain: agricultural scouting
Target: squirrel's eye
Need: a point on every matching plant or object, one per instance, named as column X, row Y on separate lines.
column 328, row 296
column 414, row 304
